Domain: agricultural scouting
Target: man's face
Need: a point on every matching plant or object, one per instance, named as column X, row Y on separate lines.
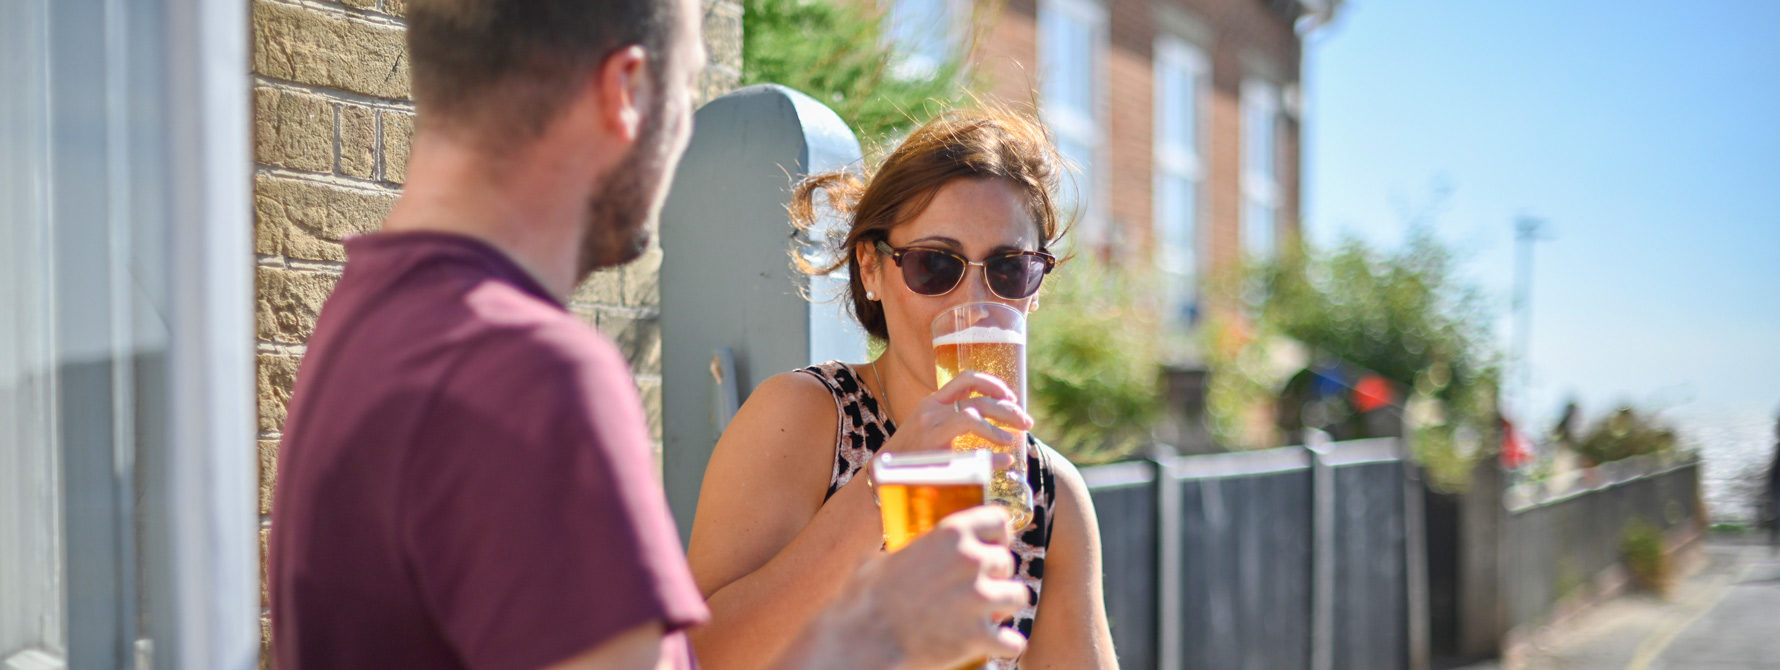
column 625, row 210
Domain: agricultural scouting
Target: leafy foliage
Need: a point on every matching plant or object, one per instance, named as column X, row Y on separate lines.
column 1093, row 362
column 1623, row 434
column 1404, row 315
column 1641, row 543
column 834, row 50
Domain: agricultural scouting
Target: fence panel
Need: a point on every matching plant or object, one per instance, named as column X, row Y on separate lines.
column 1125, row 500
column 1371, row 571
column 1245, row 560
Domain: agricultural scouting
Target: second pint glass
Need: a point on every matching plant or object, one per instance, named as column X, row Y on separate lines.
column 916, row 490
column 990, row 338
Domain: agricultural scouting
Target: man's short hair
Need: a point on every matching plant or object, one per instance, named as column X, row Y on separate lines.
column 504, row 68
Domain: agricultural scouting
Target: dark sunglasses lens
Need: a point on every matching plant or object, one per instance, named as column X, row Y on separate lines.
column 1014, row 277
column 931, row 272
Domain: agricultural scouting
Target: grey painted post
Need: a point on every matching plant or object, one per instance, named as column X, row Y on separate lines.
column 1170, row 652
column 1415, row 559
column 1322, row 557
column 726, row 275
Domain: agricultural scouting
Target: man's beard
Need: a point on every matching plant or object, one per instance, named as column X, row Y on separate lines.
column 618, row 226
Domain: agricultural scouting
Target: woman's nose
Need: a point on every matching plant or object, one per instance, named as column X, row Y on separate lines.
column 976, row 284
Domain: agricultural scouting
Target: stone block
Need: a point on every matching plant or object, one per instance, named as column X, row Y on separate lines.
column 605, row 287
column 308, row 220
column 358, row 141
column 395, row 7
column 639, row 337
column 311, row 46
column 291, row 299
column 265, row 569
column 268, row 474
column 723, row 33
column 276, row 375
column 398, row 133
column 642, row 279
column 293, row 130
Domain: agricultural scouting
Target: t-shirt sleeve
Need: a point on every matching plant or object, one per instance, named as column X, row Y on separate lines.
column 534, row 520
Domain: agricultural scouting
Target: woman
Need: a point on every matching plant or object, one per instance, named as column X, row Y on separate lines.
column 960, row 212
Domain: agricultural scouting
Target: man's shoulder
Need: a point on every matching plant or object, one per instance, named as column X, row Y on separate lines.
column 517, row 334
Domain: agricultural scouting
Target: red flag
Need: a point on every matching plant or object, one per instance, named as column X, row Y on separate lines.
column 1372, row 392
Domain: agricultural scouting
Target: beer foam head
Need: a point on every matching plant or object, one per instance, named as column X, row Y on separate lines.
column 982, row 335
column 936, row 468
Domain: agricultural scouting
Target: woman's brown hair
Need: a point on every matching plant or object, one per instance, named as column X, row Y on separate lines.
column 989, row 143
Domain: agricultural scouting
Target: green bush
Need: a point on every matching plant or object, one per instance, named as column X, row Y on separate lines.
column 1623, row 434
column 1641, row 543
column 1093, row 368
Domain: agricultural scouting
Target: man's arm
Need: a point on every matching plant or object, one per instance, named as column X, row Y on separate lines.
column 932, row 604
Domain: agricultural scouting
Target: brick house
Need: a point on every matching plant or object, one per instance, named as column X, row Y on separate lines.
column 1182, row 115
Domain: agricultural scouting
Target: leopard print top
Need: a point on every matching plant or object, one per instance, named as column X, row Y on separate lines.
column 863, row 429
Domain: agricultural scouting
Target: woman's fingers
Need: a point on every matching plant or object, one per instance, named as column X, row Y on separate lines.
column 1003, row 411
column 971, row 382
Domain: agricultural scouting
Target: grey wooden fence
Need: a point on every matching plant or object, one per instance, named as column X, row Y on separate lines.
column 1562, row 538
column 1282, row 558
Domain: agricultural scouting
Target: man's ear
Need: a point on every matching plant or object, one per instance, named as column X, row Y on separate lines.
column 624, row 90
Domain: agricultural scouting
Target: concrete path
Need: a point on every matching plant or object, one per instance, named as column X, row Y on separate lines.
column 1725, row 615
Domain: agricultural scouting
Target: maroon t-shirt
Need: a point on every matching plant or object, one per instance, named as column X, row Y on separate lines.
column 465, row 477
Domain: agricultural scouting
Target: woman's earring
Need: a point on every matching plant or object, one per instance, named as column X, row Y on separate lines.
column 871, row 296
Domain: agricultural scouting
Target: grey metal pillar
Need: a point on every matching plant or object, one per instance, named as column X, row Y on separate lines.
column 730, row 297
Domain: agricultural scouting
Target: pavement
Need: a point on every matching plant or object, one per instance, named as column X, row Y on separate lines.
column 1724, row 615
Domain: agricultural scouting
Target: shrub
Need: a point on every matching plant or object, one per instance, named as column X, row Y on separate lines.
column 1641, row 543
column 1093, row 368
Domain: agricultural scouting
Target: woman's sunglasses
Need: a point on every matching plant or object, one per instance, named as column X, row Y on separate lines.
column 1010, row 275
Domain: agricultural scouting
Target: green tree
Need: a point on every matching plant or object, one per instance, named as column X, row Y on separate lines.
column 835, row 51
column 1405, row 315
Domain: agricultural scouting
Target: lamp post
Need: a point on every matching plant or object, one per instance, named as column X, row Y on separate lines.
column 1527, row 230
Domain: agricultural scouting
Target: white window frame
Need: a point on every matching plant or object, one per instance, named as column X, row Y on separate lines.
column 1083, row 127
column 908, row 64
column 1180, row 265
column 1260, row 183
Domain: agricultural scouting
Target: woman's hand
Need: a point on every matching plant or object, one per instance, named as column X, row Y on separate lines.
column 966, row 405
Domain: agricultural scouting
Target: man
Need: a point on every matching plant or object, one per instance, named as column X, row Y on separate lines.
column 464, row 479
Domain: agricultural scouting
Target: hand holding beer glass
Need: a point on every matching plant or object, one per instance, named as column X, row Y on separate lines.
column 917, row 490
column 990, row 338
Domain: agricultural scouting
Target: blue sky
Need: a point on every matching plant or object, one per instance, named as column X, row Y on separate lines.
column 1647, row 135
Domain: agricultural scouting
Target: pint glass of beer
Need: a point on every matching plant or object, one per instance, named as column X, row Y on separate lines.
column 989, row 338
column 916, row 490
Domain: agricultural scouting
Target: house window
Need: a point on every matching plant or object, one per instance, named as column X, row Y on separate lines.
column 1260, row 170
column 1071, row 35
column 925, row 34
column 1180, row 71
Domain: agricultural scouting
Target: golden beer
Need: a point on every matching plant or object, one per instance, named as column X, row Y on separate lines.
column 916, row 491
column 1001, row 352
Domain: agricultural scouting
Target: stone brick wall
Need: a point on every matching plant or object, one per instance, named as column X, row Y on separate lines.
column 332, row 121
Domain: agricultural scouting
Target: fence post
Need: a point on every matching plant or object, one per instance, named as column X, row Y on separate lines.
column 1415, row 558
column 1170, row 652
column 727, row 282
column 1322, row 552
